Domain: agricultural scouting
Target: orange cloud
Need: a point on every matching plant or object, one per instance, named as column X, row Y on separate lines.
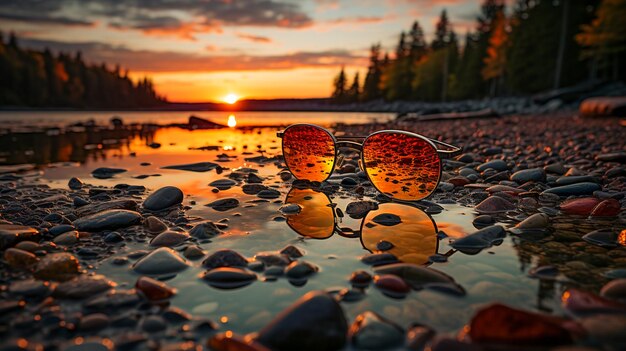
column 254, row 38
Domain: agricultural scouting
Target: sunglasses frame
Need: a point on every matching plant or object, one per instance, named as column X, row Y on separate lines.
column 347, row 142
column 337, row 230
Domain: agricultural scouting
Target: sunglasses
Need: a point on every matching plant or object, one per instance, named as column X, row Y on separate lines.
column 411, row 236
column 400, row 164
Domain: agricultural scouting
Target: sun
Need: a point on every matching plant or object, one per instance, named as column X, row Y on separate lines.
column 230, row 98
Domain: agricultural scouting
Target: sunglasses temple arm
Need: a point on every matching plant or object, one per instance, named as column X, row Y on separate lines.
column 451, row 149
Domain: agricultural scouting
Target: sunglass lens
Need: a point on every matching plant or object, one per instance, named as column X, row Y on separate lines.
column 403, row 166
column 309, row 152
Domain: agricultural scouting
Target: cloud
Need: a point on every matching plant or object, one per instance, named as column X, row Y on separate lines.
column 360, row 20
column 254, row 38
column 181, row 18
column 170, row 61
column 64, row 21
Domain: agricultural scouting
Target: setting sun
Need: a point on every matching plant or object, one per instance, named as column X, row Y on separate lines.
column 231, row 98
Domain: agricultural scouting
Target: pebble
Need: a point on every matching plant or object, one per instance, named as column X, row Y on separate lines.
column 163, row 198
column 494, row 204
column 29, row 246
column 113, row 237
column 153, row 324
column 577, row 189
column 269, row 194
column 607, row 208
column 107, row 220
column 169, row 238
column 315, row 322
column 360, row 279
column 223, row 184
column 602, row 237
column 105, row 172
column 371, row 331
column 153, row 289
column 300, row 270
column 575, row 179
column 161, row 261
column 154, row 225
column 20, row 259
column 378, row 259
column 292, row 251
column 358, row 209
column 483, row 221
column 224, row 204
column 83, row 286
column 351, row 295
column 529, row 175
column 30, row 288
column 535, row 221
column 229, row 277
column 11, row 234
column 57, row 266
column 94, row 322
column 420, row 277
column 290, row 209
column 205, row 230
column 582, row 303
column 66, row 239
column 392, row 285
column 224, row 258
column 194, row 167
column 387, row 219
column 60, row 229
column 193, row 252
column 384, row 245
column 615, row 290
column 482, row 239
column 75, row 183
column 580, row 206
column 498, row 165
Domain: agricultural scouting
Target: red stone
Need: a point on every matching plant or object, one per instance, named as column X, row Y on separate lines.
column 153, row 289
column 501, row 324
column 607, row 208
column 232, row 342
column 582, row 206
column 392, row 284
column 459, row 181
column 580, row 302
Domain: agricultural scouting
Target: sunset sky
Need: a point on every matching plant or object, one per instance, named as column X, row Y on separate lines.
column 204, row 50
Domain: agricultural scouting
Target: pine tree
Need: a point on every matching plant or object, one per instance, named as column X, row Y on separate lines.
column 354, row 92
column 339, row 92
column 495, row 61
column 371, row 86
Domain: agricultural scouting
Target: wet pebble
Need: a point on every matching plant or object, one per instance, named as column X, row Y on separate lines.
column 290, row 209
column 315, row 322
column 224, row 258
column 154, row 225
column 57, row 266
column 371, row 331
column 205, row 230
column 224, row 204
column 494, row 204
column 223, row 184
column 292, row 251
column 107, row 220
column 193, row 252
column 384, row 245
column 269, row 194
column 585, row 188
column 228, row 277
column 11, row 234
column 113, row 237
column 300, row 270
column 602, row 237
column 482, row 239
column 30, row 288
column 66, row 239
column 483, row 221
column 20, row 259
column 387, row 219
column 83, row 286
column 153, row 324
column 377, row 259
column 160, row 262
column 94, row 322
column 615, row 290
column 529, row 175
column 153, row 289
column 163, row 198
column 105, row 172
column 391, row 285
column 360, row 279
column 498, row 165
column 169, row 239
column 75, row 183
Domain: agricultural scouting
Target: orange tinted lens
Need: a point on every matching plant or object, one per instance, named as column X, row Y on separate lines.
column 411, row 233
column 402, row 166
column 309, row 152
column 316, row 218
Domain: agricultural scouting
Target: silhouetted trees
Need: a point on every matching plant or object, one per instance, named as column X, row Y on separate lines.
column 541, row 45
column 42, row 79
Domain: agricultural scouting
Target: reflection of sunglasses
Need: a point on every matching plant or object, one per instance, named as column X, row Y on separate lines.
column 402, row 165
column 400, row 229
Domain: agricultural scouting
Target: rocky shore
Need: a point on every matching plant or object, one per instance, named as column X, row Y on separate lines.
column 552, row 187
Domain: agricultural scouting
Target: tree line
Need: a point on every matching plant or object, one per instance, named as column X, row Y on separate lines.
column 42, row 79
column 541, row 45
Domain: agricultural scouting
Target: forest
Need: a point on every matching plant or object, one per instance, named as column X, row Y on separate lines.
column 42, row 79
column 541, row 45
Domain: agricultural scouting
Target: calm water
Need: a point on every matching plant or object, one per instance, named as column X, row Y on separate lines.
column 494, row 274
column 62, row 118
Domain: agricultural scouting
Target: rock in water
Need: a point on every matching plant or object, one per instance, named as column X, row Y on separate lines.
column 482, row 239
column 12, row 234
column 83, row 286
column 163, row 198
column 107, row 220
column 494, row 204
column 313, row 323
column 224, row 204
column 419, row 277
column 194, row 167
column 574, row 189
column 225, row 258
column 169, row 238
column 105, row 173
column 160, row 262
column 503, row 325
column 229, row 277
column 57, row 266
column 373, row 332
column 75, row 183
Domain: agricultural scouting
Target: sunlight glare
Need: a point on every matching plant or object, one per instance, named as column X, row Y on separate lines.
column 232, row 121
column 231, row 98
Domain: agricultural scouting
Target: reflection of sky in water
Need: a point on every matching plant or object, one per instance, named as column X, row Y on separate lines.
column 486, row 276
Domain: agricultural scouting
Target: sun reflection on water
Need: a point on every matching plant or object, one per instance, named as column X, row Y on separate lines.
column 232, row 121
